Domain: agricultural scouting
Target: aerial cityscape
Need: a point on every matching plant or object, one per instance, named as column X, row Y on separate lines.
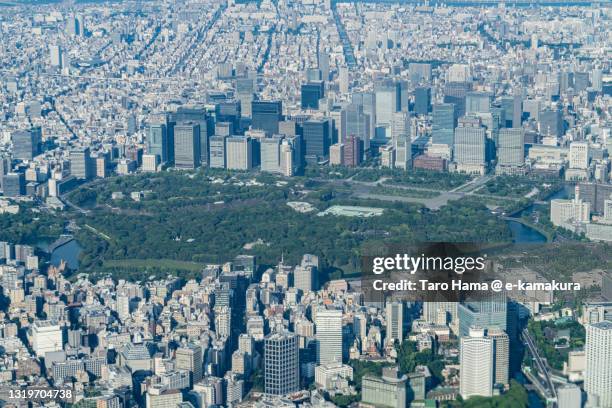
column 200, row 201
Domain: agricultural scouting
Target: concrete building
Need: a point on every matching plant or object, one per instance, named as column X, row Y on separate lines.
column 598, row 375
column 239, row 153
column 281, row 364
column 328, row 323
column 476, row 359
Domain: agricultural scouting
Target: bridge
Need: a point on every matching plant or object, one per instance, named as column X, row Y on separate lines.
column 62, row 240
column 543, row 381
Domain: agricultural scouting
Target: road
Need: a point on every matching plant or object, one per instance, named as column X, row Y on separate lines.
column 546, row 383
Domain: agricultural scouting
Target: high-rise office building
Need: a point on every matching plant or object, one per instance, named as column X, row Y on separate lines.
column 266, row 115
column 26, row 143
column 239, row 153
column 569, row 396
column 304, row 277
column 343, row 80
column 217, row 152
column 400, row 126
column 189, row 357
column 199, row 116
column 281, row 364
column 311, row 92
column 229, row 111
column 444, row 124
column 476, row 357
column 5, row 167
column 477, row 102
column 394, row 314
column 316, row 138
column 422, row 100
column 441, row 313
column 357, row 124
column 270, row 152
column 386, row 104
column 455, row 93
column 511, row 147
column 353, row 151
column 470, row 148
column 328, row 323
column 501, row 355
column 488, row 312
column 420, row 73
column 367, row 100
column 187, row 145
column 159, row 142
column 513, row 110
column 579, row 155
column 46, row 337
column 551, row 122
column 81, row 163
column 598, row 374
column 13, row 184
column 55, row 56
column 389, row 390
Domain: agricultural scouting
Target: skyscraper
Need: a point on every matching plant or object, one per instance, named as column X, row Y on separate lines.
column 501, row 355
column 187, row 145
column 311, row 93
column 390, row 390
column 489, row 312
column 477, row 102
column 270, row 154
column 476, row 353
column 394, row 313
column 551, row 122
column 470, row 149
column 239, row 153
column 266, row 115
column 82, row 166
column 316, row 139
column 281, row 363
column 358, row 123
column 200, row 117
column 217, row 152
column 158, row 141
column 343, row 80
column 598, row 374
column 511, row 147
column 26, row 143
column 55, row 56
column 513, row 109
column 329, row 335
column 422, row 100
column 386, row 103
column 189, row 357
column 455, row 92
column 353, row 151
column 444, row 124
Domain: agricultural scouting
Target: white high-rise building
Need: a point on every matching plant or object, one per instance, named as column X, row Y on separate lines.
column 579, row 155
column 598, row 375
column 394, row 313
column 56, row 56
column 329, row 335
column 239, row 153
column 343, row 79
column 569, row 396
column 476, row 355
column 459, row 73
column 566, row 212
column 123, row 307
column 46, row 337
column 511, row 150
column 271, row 154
